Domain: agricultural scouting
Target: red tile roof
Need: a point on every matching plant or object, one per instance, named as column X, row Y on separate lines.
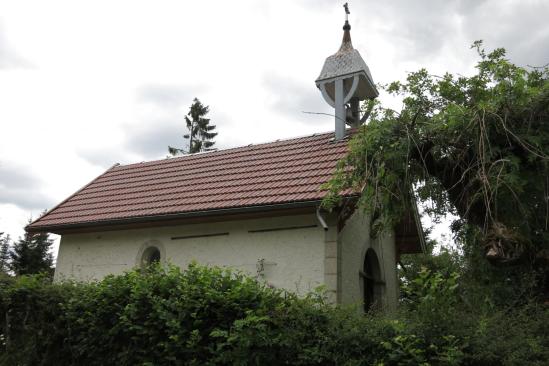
column 281, row 172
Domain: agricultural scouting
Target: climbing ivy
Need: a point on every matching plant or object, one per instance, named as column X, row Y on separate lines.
column 474, row 146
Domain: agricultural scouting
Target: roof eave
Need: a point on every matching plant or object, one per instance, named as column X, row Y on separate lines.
column 59, row 229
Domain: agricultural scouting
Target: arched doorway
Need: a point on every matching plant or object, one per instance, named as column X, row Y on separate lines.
column 371, row 279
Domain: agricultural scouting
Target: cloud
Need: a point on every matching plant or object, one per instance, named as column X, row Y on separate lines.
column 160, row 122
column 421, row 31
column 168, row 96
column 320, row 5
column 151, row 140
column 520, row 27
column 20, row 188
column 417, row 31
column 161, row 119
column 147, row 140
column 9, row 59
column 104, row 157
column 291, row 98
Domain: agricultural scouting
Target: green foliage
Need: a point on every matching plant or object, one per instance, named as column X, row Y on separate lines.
column 212, row 316
column 33, row 328
column 409, row 349
column 473, row 146
column 201, row 133
column 32, row 254
column 431, row 290
column 446, row 262
column 5, row 242
column 169, row 315
column 513, row 336
column 469, row 315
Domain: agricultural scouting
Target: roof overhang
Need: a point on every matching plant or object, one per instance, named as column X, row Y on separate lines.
column 365, row 89
column 409, row 235
column 225, row 214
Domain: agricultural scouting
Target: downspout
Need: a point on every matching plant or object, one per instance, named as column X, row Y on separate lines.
column 321, row 219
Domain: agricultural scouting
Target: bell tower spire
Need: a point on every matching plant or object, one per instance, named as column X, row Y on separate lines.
column 344, row 81
column 346, row 42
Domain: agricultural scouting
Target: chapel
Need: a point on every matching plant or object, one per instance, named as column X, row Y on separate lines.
column 256, row 208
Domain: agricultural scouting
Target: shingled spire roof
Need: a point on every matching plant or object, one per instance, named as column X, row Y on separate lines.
column 346, row 44
column 346, row 61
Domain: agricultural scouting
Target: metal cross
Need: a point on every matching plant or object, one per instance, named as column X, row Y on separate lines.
column 347, row 12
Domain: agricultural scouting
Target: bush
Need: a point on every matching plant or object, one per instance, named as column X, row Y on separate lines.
column 161, row 316
column 167, row 317
column 212, row 316
column 33, row 329
column 516, row 336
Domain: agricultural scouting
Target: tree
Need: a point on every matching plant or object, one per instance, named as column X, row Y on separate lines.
column 31, row 254
column 4, row 252
column 477, row 147
column 201, row 133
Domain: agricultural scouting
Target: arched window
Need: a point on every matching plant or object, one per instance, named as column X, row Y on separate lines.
column 150, row 255
column 371, row 277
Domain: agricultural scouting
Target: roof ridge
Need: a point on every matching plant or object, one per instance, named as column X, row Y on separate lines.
column 205, row 153
column 192, row 166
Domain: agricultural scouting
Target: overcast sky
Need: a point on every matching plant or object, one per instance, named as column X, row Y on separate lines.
column 86, row 84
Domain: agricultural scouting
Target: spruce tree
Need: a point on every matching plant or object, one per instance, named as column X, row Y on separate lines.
column 201, row 133
column 4, row 253
column 31, row 254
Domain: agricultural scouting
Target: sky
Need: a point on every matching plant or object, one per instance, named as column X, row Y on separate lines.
column 87, row 84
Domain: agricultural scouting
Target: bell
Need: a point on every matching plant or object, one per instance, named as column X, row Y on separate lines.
column 349, row 118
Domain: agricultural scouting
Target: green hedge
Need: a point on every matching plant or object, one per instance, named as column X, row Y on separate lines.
column 212, row 316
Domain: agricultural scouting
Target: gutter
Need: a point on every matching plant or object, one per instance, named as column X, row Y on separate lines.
column 181, row 215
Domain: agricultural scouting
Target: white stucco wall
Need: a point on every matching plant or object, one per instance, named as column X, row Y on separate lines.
column 293, row 259
column 353, row 242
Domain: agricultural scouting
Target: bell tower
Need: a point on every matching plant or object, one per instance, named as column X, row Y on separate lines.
column 345, row 81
